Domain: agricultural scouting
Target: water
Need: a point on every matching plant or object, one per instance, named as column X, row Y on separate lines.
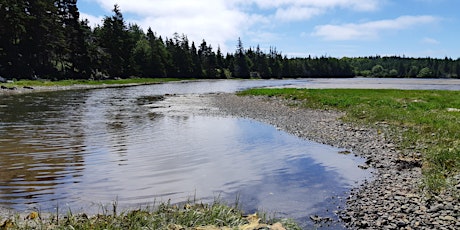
column 84, row 148
column 382, row 83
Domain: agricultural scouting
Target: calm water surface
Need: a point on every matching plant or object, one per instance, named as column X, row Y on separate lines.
column 85, row 148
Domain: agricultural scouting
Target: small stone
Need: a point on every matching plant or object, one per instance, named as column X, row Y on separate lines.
column 448, row 218
column 448, row 207
column 401, row 224
column 423, row 208
column 363, row 224
column 435, row 208
column 345, row 152
column 346, row 219
column 363, row 166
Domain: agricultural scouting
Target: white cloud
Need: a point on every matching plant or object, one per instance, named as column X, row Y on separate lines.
column 297, row 13
column 223, row 21
column 216, row 21
column 370, row 30
column 431, row 41
column 93, row 20
column 297, row 10
column 360, row 5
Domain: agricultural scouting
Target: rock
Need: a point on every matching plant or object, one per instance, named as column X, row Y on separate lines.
column 363, row 224
column 363, row 166
column 318, row 219
column 346, row 219
column 436, row 208
column 345, row 152
column 448, row 218
column 401, row 224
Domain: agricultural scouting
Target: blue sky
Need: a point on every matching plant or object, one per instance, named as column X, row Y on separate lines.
column 336, row 28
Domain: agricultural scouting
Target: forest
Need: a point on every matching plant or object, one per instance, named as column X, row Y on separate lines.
column 45, row 39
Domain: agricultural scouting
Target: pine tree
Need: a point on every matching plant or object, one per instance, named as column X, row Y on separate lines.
column 241, row 66
column 75, row 57
column 197, row 70
column 114, row 39
column 157, row 66
column 13, row 31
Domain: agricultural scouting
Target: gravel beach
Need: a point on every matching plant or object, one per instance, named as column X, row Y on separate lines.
column 393, row 200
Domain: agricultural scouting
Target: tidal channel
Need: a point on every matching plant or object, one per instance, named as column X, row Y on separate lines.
column 81, row 149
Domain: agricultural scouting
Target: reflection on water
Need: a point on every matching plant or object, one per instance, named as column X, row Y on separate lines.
column 81, row 148
column 41, row 147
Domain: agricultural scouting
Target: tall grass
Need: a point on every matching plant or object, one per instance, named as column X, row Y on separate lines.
column 190, row 215
column 427, row 120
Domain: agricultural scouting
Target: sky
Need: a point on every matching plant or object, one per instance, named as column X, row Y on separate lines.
column 299, row 28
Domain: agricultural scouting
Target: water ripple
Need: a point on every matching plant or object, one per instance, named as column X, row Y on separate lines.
column 136, row 146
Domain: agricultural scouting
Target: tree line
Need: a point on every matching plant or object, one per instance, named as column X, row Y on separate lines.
column 396, row 66
column 47, row 40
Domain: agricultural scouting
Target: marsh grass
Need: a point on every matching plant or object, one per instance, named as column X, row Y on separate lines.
column 189, row 215
column 427, row 121
column 32, row 83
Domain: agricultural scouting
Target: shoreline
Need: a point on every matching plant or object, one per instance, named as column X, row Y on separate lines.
column 40, row 89
column 392, row 200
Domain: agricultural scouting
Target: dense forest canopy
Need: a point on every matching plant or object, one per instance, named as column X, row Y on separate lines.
column 43, row 39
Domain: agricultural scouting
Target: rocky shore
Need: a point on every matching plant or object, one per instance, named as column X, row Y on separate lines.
column 393, row 200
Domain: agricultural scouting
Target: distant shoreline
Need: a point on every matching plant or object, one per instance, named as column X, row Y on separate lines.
column 322, row 83
column 382, row 83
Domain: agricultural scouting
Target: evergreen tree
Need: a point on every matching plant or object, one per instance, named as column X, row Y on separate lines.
column 220, row 58
column 75, row 56
column 13, row 30
column 142, row 58
column 45, row 38
column 114, row 39
column 241, row 65
column 197, row 70
column 208, row 60
column 159, row 60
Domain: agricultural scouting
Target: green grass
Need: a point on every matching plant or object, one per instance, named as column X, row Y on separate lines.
column 190, row 215
column 32, row 83
column 428, row 121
